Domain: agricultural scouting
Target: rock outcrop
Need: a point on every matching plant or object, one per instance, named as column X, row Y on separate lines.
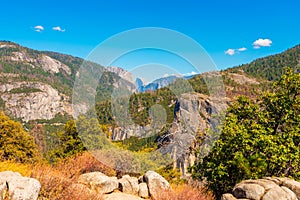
column 33, row 100
column 149, row 185
column 122, row 133
column 47, row 63
column 13, row 186
column 265, row 189
column 192, row 115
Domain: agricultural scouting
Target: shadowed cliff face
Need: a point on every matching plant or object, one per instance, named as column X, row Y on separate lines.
column 193, row 114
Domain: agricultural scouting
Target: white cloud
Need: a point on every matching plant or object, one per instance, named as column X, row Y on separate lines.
column 58, row 28
column 230, row 52
column 180, row 75
column 262, row 43
column 242, row 49
column 38, row 28
column 190, row 73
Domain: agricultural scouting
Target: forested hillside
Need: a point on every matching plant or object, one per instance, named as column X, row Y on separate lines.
column 272, row 67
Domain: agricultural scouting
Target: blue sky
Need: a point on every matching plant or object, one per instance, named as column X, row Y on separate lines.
column 217, row 25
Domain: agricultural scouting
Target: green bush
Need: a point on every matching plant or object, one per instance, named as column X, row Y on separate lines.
column 259, row 138
column 15, row 143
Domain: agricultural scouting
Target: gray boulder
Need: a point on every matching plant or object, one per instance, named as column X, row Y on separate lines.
column 249, row 191
column 228, row 197
column 156, row 183
column 99, row 182
column 292, row 185
column 19, row 187
column 265, row 189
column 143, row 190
column 129, row 185
column 3, row 189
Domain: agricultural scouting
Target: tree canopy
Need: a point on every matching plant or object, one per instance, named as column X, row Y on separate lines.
column 259, row 138
column 15, row 143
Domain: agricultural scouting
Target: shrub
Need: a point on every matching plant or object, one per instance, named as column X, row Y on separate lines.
column 15, row 143
column 259, row 138
column 23, row 169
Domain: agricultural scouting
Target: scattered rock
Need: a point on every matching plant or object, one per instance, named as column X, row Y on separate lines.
column 150, row 185
column 19, row 187
column 156, row 183
column 265, row 189
column 143, row 190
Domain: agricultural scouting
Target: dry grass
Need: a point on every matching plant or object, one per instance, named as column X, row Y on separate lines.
column 184, row 192
column 59, row 181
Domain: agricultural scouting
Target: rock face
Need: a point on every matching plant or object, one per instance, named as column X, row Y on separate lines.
column 265, row 189
column 33, row 100
column 149, row 185
column 122, row 73
column 192, row 115
column 45, row 62
column 16, row 187
column 122, row 133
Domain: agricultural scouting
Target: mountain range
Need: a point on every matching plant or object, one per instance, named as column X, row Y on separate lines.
column 37, row 85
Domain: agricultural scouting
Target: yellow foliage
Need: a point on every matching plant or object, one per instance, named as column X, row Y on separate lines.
column 23, row 169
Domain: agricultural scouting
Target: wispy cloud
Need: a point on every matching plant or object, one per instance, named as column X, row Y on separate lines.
column 181, row 75
column 58, row 28
column 242, row 49
column 38, row 28
column 262, row 43
column 232, row 52
column 190, row 73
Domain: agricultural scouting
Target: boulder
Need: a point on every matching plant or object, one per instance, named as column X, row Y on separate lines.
column 276, row 193
column 290, row 194
column 265, row 189
column 249, row 191
column 156, row 183
column 19, row 187
column 121, row 196
column 129, row 185
column 292, row 185
column 99, row 182
column 143, row 190
column 228, row 197
column 3, row 189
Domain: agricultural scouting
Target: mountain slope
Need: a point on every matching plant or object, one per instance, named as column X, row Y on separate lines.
column 37, row 85
column 272, row 67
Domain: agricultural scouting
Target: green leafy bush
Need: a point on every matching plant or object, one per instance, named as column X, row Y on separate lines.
column 259, row 138
column 15, row 143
